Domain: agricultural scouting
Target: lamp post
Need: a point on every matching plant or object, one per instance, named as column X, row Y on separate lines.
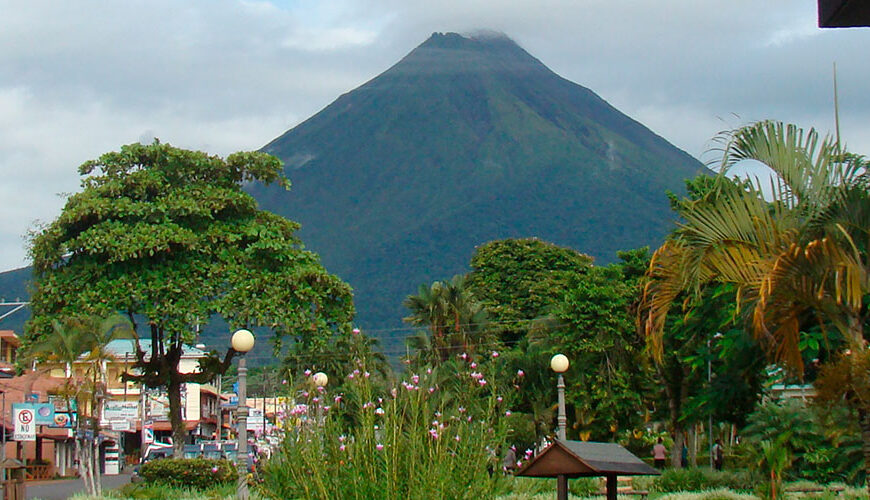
column 559, row 364
column 320, row 380
column 243, row 342
column 709, row 383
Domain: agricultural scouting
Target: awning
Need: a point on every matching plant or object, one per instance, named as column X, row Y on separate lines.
column 585, row 459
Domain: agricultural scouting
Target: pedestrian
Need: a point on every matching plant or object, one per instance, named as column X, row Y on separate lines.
column 718, row 455
column 684, row 457
column 659, row 454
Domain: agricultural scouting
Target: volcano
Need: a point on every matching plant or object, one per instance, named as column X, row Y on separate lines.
column 463, row 141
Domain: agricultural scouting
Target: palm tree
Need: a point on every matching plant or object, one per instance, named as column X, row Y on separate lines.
column 76, row 340
column 800, row 255
column 455, row 319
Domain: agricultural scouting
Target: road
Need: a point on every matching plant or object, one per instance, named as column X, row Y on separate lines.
column 62, row 489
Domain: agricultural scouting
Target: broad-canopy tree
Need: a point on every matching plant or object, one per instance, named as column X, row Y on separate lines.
column 797, row 257
column 167, row 237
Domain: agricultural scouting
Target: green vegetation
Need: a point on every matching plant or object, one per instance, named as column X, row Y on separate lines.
column 195, row 473
column 167, row 238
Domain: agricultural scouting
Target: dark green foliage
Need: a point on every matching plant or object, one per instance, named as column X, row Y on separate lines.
column 699, row 479
column 465, row 141
column 825, row 445
column 198, row 473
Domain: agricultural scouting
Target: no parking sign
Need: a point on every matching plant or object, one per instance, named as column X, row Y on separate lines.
column 25, row 423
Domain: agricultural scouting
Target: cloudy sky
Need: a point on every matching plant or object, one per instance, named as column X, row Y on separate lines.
column 81, row 78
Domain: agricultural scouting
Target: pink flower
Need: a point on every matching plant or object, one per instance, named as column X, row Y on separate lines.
column 494, row 354
column 461, row 409
column 350, row 375
column 355, row 331
column 433, row 433
column 473, row 365
column 284, row 381
column 214, row 469
column 529, row 454
column 341, row 438
column 428, row 371
column 307, row 373
column 367, row 374
column 499, row 399
column 482, row 382
column 521, row 373
column 379, row 447
column 379, row 411
column 507, row 413
column 431, row 390
column 457, row 438
column 415, row 379
column 337, row 399
column 341, row 447
column 356, row 372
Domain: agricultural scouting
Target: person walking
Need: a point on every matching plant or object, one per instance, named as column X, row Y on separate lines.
column 659, row 454
column 718, row 455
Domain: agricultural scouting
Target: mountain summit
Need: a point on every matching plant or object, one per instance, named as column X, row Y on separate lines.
column 466, row 140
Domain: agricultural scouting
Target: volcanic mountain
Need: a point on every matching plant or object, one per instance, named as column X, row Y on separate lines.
column 463, row 141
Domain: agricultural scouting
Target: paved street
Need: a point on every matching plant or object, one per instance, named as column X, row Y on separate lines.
column 65, row 488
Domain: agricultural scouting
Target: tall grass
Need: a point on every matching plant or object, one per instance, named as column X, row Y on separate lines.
column 437, row 434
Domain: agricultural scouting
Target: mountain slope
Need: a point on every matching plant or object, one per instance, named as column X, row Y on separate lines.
column 463, row 141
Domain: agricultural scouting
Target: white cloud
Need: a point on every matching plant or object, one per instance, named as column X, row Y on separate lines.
column 82, row 78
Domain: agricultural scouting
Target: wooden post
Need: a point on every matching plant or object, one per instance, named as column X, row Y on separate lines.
column 611, row 487
column 562, row 487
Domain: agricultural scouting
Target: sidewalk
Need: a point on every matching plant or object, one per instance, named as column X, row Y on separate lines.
column 62, row 489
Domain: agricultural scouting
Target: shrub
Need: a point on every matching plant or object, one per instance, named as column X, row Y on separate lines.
column 697, row 479
column 198, row 473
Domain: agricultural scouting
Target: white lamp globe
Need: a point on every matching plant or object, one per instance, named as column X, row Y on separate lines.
column 559, row 363
column 243, row 341
column 320, row 379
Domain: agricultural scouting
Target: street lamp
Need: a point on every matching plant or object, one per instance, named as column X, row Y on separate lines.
column 320, row 379
column 709, row 383
column 559, row 364
column 243, row 342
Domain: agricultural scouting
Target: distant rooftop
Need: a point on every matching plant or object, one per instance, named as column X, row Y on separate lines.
column 127, row 347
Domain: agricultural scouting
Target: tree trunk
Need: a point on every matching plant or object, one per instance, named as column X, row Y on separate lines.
column 95, row 450
column 864, row 420
column 178, row 429
column 679, row 442
column 693, row 445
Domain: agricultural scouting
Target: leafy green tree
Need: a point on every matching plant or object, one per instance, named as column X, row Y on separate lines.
column 796, row 258
column 519, row 280
column 168, row 238
column 596, row 329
